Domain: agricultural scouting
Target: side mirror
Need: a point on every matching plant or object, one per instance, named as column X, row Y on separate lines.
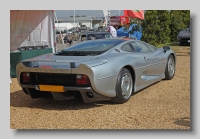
column 166, row 48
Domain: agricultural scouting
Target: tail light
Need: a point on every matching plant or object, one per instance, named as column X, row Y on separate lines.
column 82, row 79
column 26, row 77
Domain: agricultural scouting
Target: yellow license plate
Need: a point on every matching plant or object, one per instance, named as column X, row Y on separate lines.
column 52, row 88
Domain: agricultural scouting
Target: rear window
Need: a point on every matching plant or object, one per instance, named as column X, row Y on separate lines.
column 95, row 45
column 99, row 36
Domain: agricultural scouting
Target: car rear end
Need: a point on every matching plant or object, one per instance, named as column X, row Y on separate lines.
column 59, row 83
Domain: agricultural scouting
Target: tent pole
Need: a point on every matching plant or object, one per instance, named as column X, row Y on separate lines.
column 60, row 31
column 54, row 32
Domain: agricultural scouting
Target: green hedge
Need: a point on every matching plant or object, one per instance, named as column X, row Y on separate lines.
column 162, row 26
column 16, row 57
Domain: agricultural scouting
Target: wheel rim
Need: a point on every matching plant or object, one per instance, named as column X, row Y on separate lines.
column 171, row 66
column 126, row 85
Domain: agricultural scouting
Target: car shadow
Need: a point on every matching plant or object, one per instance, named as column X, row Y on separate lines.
column 20, row 99
column 185, row 121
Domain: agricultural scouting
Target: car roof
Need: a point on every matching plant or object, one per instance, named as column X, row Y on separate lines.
column 125, row 39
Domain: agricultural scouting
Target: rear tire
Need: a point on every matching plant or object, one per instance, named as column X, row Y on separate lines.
column 124, row 87
column 170, row 68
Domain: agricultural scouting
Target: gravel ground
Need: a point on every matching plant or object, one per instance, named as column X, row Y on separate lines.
column 164, row 105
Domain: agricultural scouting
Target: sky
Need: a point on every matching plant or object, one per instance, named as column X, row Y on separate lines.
column 93, row 13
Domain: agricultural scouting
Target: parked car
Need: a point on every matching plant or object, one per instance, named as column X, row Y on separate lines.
column 58, row 31
column 183, row 37
column 93, row 35
column 67, row 39
column 102, row 69
column 72, row 30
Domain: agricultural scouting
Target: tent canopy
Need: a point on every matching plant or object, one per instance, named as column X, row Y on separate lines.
column 31, row 26
column 136, row 34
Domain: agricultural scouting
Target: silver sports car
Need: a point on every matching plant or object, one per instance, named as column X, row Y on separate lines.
column 104, row 69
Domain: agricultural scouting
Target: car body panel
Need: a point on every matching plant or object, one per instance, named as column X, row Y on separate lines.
column 103, row 69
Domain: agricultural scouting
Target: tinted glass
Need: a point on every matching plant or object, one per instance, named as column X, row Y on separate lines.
column 127, row 48
column 140, row 47
column 99, row 36
column 151, row 47
column 83, row 37
column 96, row 45
column 187, row 29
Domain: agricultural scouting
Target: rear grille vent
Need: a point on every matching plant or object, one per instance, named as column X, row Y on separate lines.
column 53, row 79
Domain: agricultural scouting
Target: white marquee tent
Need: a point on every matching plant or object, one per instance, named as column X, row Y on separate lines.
column 32, row 26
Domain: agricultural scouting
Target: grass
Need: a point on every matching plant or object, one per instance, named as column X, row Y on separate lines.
column 175, row 46
column 167, row 44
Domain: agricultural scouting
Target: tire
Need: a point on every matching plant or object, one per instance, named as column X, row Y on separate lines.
column 124, row 87
column 35, row 93
column 170, row 68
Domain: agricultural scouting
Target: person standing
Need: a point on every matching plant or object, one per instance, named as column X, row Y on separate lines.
column 70, row 40
column 112, row 30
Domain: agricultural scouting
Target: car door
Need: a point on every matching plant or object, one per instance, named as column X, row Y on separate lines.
column 158, row 58
column 148, row 68
column 137, row 61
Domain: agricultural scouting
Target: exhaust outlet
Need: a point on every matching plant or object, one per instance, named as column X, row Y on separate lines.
column 89, row 95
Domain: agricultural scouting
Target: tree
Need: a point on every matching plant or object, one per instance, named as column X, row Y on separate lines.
column 150, row 27
column 180, row 19
column 160, row 26
column 163, row 34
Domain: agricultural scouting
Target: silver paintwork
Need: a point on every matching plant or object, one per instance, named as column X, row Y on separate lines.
column 104, row 69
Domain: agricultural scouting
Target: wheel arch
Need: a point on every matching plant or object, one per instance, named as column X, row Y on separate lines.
column 132, row 71
column 174, row 58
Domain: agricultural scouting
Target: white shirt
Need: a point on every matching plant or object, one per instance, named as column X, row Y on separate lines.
column 113, row 31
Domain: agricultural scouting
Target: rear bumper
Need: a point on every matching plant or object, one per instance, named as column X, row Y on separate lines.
column 102, row 83
column 184, row 41
column 87, row 93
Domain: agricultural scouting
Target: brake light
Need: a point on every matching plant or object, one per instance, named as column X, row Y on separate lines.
column 26, row 77
column 82, row 79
